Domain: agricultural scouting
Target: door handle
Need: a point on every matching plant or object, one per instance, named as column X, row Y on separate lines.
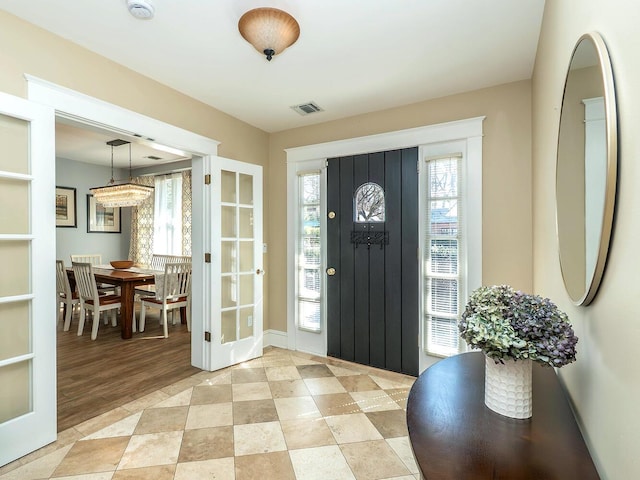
column 331, row 271
column 259, row 272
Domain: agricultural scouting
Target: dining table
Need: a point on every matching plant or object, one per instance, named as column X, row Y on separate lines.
column 127, row 279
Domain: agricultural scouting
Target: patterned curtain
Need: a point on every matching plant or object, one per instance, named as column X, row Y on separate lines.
column 186, row 213
column 141, row 246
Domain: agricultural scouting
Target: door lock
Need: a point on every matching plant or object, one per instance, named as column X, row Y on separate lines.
column 331, row 271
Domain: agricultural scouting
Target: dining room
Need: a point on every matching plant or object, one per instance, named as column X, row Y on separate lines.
column 97, row 372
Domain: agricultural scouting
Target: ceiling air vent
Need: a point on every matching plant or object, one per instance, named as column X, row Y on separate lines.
column 307, row 108
column 153, row 157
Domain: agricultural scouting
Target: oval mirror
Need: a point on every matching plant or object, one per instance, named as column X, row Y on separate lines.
column 586, row 168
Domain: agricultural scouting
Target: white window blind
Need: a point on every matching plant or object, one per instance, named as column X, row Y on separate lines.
column 308, row 252
column 167, row 234
column 444, row 255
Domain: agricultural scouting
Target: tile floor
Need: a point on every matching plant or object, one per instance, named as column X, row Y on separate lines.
column 284, row 416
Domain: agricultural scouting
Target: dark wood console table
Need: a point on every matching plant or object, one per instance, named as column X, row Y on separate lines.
column 455, row 436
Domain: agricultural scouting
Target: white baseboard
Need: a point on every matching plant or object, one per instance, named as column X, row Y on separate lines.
column 275, row 338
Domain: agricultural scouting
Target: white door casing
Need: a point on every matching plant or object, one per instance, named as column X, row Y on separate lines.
column 96, row 113
column 466, row 130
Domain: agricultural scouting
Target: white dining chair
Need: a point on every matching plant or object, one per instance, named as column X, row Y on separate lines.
column 66, row 296
column 92, row 258
column 96, row 259
column 157, row 263
column 173, row 290
column 90, row 298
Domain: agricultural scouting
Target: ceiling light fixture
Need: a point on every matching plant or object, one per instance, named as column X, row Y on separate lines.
column 269, row 30
column 121, row 195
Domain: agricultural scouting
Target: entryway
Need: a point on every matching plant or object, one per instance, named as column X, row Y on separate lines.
column 373, row 293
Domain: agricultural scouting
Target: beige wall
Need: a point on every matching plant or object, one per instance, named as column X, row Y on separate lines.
column 507, row 237
column 604, row 382
column 31, row 50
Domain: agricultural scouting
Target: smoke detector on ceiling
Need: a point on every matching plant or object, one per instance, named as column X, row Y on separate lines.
column 141, row 9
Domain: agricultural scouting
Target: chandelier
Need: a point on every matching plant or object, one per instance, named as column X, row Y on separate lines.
column 123, row 194
column 269, row 30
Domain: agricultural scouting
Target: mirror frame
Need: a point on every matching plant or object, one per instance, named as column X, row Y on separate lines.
column 611, row 124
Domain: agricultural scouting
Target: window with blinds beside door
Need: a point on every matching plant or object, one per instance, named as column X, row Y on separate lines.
column 308, row 282
column 444, row 255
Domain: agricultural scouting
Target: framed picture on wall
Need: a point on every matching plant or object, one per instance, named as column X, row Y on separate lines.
column 102, row 219
column 66, row 207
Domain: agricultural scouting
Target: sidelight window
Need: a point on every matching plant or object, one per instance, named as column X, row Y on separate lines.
column 444, row 255
column 308, row 278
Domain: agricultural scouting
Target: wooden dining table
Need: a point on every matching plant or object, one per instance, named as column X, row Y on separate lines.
column 127, row 280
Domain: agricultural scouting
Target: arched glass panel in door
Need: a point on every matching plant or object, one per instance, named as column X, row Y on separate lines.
column 369, row 203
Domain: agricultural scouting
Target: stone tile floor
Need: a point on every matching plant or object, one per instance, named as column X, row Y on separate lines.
column 286, row 415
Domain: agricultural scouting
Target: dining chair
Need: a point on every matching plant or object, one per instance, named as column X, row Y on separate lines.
column 157, row 263
column 65, row 295
column 95, row 259
column 173, row 290
column 90, row 298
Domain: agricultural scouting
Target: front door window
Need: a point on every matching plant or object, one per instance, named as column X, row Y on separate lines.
column 369, row 203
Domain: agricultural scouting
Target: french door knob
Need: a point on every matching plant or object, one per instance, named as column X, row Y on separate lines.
column 259, row 272
column 331, row 271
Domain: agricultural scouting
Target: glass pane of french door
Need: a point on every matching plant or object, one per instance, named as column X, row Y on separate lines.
column 27, row 320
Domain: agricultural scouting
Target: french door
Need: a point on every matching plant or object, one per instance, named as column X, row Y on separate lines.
column 27, row 284
column 236, row 262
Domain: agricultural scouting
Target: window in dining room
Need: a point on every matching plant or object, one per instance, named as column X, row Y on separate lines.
column 167, row 232
column 161, row 224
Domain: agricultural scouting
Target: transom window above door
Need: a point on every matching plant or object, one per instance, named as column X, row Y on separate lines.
column 369, row 203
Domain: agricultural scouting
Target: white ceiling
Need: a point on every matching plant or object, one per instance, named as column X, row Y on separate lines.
column 352, row 57
column 85, row 145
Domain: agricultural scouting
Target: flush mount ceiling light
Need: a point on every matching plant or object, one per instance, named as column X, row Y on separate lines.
column 269, row 30
column 124, row 194
column 141, row 9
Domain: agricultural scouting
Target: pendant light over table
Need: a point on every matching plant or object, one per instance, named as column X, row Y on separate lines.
column 124, row 194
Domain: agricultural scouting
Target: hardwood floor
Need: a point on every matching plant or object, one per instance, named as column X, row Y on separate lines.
column 97, row 376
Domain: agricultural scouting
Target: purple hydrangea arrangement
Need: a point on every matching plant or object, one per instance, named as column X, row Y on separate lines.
column 504, row 323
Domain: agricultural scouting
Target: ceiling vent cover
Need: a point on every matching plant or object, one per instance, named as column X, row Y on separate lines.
column 307, row 108
column 153, row 157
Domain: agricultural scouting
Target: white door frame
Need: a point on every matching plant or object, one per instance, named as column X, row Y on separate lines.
column 97, row 113
column 468, row 129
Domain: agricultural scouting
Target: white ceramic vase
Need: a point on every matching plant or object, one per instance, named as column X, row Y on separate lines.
column 507, row 387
